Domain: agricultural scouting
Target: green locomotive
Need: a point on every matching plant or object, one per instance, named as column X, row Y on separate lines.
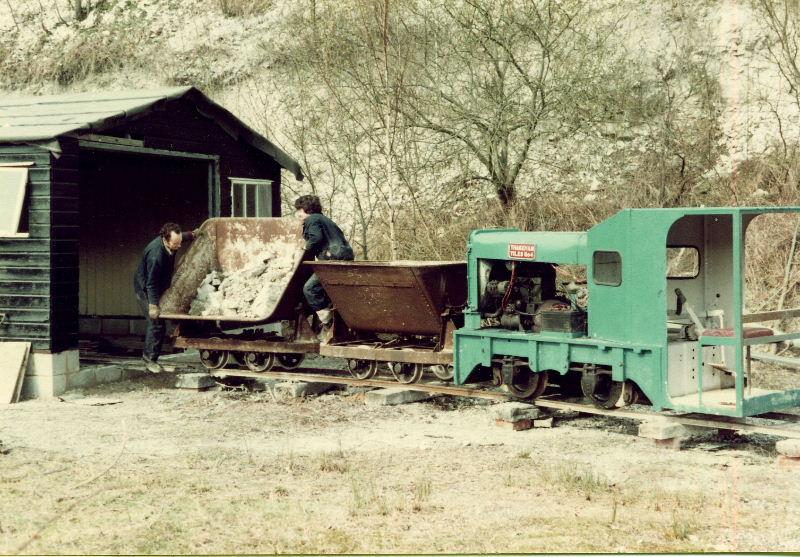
column 660, row 315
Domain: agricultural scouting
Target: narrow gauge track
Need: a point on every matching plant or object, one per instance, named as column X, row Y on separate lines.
column 779, row 424
column 788, row 425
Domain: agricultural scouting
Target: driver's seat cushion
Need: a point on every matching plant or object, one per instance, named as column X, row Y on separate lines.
column 748, row 332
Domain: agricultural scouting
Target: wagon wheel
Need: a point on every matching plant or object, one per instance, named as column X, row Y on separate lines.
column 290, row 361
column 362, row 369
column 607, row 393
column 544, row 376
column 214, row 359
column 259, row 361
column 407, row 373
column 443, row 372
column 525, row 383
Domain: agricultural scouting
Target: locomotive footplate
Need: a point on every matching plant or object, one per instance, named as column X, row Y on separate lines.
column 403, row 355
column 276, row 346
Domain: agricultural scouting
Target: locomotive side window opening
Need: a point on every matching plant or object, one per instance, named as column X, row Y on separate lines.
column 251, row 198
column 531, row 296
column 607, row 268
column 13, row 220
column 683, row 262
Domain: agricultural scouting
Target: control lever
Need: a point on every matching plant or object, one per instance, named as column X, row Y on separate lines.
column 681, row 300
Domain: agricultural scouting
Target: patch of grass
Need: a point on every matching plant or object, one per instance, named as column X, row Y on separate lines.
column 524, row 454
column 576, row 478
column 334, row 462
column 366, row 498
column 281, row 491
column 243, row 8
column 421, row 494
column 680, row 528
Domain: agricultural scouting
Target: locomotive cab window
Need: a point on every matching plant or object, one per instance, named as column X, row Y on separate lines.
column 607, row 268
column 251, row 198
column 683, row 262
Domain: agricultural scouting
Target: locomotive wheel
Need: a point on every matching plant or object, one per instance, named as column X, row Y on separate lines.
column 525, row 383
column 445, row 373
column 214, row 359
column 606, row 393
column 362, row 369
column 407, row 373
column 290, row 361
column 259, row 361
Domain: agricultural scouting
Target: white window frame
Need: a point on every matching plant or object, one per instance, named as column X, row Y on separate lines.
column 10, row 229
column 246, row 187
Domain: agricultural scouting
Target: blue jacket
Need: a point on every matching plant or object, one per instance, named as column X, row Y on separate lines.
column 324, row 239
column 154, row 274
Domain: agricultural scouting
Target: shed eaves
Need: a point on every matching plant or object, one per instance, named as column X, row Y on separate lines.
column 41, row 119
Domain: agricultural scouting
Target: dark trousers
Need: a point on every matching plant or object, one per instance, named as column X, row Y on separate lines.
column 154, row 337
column 315, row 294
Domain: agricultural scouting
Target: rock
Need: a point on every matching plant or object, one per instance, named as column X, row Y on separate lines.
column 788, row 447
column 543, row 422
column 194, row 381
column 301, row 389
column 513, row 411
column 662, row 429
column 394, row 395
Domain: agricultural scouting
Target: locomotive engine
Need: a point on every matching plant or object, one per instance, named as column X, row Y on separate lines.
column 523, row 296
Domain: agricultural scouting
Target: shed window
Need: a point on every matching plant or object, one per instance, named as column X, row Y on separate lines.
column 12, row 199
column 251, row 198
column 607, row 268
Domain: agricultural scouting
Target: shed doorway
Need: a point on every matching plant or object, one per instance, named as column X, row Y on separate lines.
column 125, row 198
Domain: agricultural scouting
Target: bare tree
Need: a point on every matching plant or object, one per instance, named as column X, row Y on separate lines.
column 496, row 77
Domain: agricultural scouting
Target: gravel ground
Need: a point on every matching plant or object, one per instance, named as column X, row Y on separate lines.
column 222, row 471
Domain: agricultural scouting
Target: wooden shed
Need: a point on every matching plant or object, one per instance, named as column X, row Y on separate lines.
column 86, row 180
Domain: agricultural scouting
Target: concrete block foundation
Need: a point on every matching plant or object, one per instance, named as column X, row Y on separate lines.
column 49, row 375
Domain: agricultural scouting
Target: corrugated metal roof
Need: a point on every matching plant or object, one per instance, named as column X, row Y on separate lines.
column 35, row 119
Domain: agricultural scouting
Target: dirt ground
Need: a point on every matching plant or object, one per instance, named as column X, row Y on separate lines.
column 234, row 471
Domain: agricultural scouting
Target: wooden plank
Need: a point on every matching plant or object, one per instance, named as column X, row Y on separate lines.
column 13, row 363
column 21, row 377
column 415, row 356
column 246, row 345
column 771, row 315
column 110, row 139
column 780, row 360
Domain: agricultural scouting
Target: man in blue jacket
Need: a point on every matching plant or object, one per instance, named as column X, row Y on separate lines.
column 325, row 241
column 152, row 278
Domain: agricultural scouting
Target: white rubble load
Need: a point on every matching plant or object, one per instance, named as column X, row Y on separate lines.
column 252, row 291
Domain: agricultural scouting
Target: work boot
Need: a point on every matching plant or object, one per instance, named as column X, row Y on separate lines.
column 152, row 367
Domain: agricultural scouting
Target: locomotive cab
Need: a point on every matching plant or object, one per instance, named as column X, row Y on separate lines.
column 661, row 312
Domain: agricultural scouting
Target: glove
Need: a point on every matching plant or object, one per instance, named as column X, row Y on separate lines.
column 153, row 311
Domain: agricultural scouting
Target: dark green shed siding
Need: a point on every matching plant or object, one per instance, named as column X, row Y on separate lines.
column 26, row 263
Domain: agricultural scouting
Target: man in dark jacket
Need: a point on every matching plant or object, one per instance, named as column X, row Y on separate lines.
column 152, row 278
column 324, row 240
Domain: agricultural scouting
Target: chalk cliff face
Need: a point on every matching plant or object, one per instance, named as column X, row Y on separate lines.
column 238, row 60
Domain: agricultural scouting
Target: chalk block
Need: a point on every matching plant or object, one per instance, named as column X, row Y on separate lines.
column 543, row 422
column 512, row 411
column 788, row 447
column 300, row 389
column 516, row 425
column 662, row 429
column 394, row 395
column 194, row 381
